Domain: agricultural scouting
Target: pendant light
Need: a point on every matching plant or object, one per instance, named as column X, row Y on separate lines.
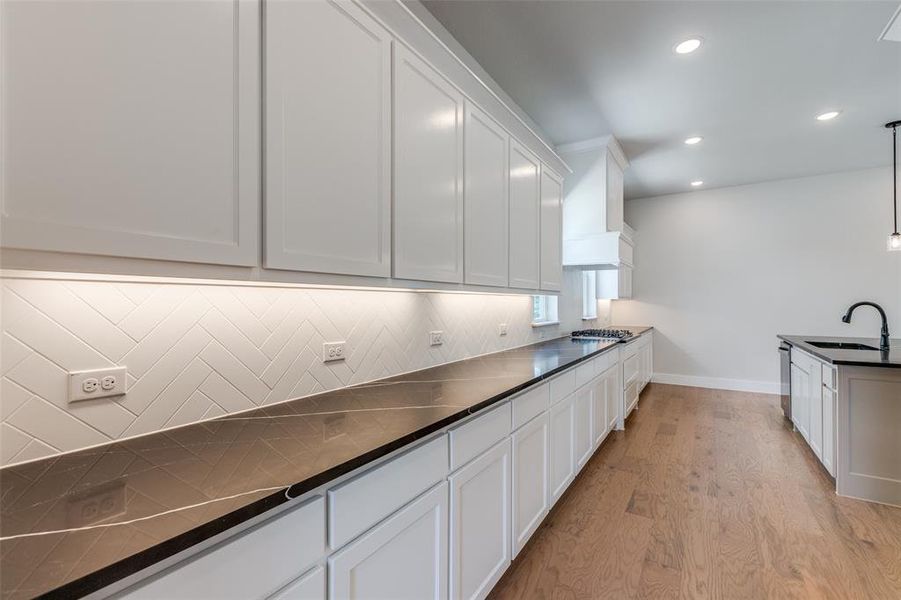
column 894, row 239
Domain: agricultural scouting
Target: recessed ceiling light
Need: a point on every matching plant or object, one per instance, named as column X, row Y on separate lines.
column 688, row 46
column 693, row 140
column 828, row 116
column 697, row 183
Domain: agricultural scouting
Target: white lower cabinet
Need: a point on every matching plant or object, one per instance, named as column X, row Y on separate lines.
column 407, row 528
column 583, row 443
column 402, row 558
column 561, row 461
column 828, row 454
column 599, row 422
column 480, row 523
column 813, row 405
column 309, row 586
column 530, row 479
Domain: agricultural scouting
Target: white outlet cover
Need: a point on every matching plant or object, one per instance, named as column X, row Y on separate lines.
column 113, row 376
column 436, row 338
column 332, row 351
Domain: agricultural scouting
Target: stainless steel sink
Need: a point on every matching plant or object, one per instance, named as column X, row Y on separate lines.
column 841, row 345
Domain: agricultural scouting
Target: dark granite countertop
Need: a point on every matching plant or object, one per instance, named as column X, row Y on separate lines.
column 162, row 493
column 860, row 358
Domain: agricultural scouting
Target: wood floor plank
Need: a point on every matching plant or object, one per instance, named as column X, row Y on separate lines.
column 708, row 494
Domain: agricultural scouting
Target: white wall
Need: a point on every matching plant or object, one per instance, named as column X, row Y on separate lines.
column 197, row 351
column 721, row 272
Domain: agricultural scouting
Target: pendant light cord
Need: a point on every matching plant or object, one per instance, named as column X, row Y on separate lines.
column 895, row 172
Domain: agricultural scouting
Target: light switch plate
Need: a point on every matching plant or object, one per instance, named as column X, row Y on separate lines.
column 97, row 383
column 502, row 329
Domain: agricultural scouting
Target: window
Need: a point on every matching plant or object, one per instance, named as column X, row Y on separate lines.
column 544, row 311
column 589, row 295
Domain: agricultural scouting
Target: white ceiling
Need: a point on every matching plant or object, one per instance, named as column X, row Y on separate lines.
column 583, row 69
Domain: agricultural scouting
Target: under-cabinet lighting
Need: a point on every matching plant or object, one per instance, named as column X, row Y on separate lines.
column 697, row 183
column 828, row 116
column 693, row 140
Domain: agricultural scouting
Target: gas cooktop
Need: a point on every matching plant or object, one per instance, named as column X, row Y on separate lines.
column 602, row 334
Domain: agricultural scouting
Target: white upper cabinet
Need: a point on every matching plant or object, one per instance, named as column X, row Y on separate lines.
column 485, row 194
column 328, row 139
column 551, row 231
column 524, row 217
column 428, row 172
column 132, row 129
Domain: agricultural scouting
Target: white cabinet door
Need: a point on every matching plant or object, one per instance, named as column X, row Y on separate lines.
column 551, row 231
column 828, row 455
column 328, row 139
column 530, row 479
column 582, row 436
column 815, row 431
column 800, row 391
column 132, row 129
column 480, row 523
column 613, row 396
column 562, row 457
column 485, row 194
column 524, row 217
column 402, row 558
column 599, row 421
column 428, row 172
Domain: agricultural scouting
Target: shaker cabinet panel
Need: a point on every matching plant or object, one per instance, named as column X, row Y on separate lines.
column 126, row 136
column 562, row 455
column 582, row 436
column 403, row 558
column 551, row 231
column 428, row 172
column 485, row 194
column 480, row 523
column 328, row 139
column 530, row 479
column 524, row 217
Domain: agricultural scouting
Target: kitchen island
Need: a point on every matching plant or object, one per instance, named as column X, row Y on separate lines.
column 846, row 403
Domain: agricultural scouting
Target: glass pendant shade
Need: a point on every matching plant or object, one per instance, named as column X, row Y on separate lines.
column 894, row 242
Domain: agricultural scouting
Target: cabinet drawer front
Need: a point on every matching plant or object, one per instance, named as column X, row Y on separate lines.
column 585, row 373
column 405, row 556
column 563, row 386
column 605, row 361
column 479, row 434
column 360, row 503
column 529, row 405
column 311, row 586
column 630, row 369
column 254, row 564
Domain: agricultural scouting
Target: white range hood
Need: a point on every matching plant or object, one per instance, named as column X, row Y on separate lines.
column 595, row 237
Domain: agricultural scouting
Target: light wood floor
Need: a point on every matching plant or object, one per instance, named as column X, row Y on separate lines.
column 708, row 494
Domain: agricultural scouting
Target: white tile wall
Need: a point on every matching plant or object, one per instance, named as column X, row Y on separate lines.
column 195, row 352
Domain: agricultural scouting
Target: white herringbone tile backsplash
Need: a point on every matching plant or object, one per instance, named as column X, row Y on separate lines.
column 195, row 352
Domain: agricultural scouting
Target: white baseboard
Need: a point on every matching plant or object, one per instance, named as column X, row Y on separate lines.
column 718, row 383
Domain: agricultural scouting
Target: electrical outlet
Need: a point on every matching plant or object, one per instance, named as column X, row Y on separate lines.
column 97, row 505
column 436, row 338
column 97, row 383
column 332, row 351
column 502, row 329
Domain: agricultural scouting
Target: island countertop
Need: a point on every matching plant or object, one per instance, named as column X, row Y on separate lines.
column 168, row 491
column 859, row 358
